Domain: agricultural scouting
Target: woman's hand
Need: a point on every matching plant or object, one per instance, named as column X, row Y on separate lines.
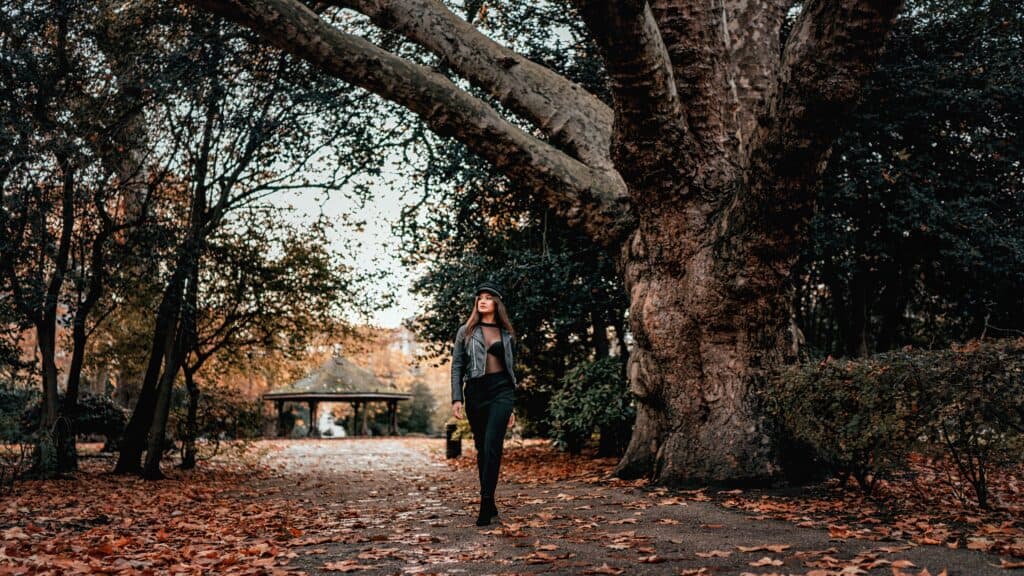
column 457, row 409
column 512, row 420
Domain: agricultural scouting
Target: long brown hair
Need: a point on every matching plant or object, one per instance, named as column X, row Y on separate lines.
column 499, row 313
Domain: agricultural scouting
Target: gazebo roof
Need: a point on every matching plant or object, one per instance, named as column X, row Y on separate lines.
column 338, row 377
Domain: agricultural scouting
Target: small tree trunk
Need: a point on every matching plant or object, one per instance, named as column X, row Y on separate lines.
column 599, row 339
column 179, row 348
column 51, row 447
column 860, row 307
column 188, row 458
column 161, row 412
column 136, row 432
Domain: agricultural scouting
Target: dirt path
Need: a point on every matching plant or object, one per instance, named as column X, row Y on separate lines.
column 395, row 506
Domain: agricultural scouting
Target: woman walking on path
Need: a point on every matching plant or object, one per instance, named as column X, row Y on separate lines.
column 483, row 357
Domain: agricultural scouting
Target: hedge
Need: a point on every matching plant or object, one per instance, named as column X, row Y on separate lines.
column 862, row 417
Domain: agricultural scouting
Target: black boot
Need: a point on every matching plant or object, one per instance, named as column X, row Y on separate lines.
column 492, row 510
column 487, row 511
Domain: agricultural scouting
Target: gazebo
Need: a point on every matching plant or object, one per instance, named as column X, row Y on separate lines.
column 339, row 380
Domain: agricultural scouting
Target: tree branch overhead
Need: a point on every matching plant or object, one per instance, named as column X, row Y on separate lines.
column 591, row 198
column 570, row 116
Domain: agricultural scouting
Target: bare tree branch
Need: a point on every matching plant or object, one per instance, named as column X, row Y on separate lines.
column 590, row 198
column 570, row 116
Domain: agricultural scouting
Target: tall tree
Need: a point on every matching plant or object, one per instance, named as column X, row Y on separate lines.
column 267, row 286
column 700, row 178
column 62, row 188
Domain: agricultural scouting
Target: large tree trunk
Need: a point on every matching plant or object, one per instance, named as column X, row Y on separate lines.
column 704, row 334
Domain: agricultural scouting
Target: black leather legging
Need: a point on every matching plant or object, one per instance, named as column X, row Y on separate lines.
column 489, row 402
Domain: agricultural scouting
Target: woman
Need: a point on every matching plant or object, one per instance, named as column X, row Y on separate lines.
column 483, row 357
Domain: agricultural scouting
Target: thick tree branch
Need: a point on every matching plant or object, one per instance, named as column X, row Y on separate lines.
column 697, row 45
column 570, row 116
column 649, row 112
column 593, row 199
column 834, row 46
column 752, row 33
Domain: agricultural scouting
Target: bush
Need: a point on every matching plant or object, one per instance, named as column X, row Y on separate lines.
column 857, row 416
column 95, row 414
column 979, row 422
column 593, row 395
column 862, row 417
column 15, row 446
column 15, row 425
column 221, row 414
column 415, row 414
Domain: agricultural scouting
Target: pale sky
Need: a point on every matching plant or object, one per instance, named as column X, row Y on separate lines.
column 376, row 242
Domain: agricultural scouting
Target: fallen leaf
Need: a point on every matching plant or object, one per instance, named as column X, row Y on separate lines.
column 715, row 554
column 604, row 569
column 347, row 566
column 777, row 548
column 766, row 561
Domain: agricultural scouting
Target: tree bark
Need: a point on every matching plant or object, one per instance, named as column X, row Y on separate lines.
column 55, row 427
column 162, row 406
column 599, row 337
column 188, row 456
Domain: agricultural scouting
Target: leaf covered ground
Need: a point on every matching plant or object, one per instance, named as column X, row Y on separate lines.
column 397, row 506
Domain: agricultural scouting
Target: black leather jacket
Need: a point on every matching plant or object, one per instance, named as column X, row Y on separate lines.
column 469, row 357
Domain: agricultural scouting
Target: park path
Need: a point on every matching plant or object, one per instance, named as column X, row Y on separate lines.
column 395, row 506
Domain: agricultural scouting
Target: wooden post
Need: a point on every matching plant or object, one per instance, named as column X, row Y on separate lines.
column 393, row 409
column 280, row 418
column 364, row 431
column 314, row 431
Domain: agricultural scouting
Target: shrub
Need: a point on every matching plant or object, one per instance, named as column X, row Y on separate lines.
column 978, row 423
column 415, row 414
column 14, row 404
column 221, row 413
column 858, row 416
column 95, row 414
column 15, row 446
column 862, row 417
column 593, row 395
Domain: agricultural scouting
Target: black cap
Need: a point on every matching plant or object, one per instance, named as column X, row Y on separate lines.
column 492, row 287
